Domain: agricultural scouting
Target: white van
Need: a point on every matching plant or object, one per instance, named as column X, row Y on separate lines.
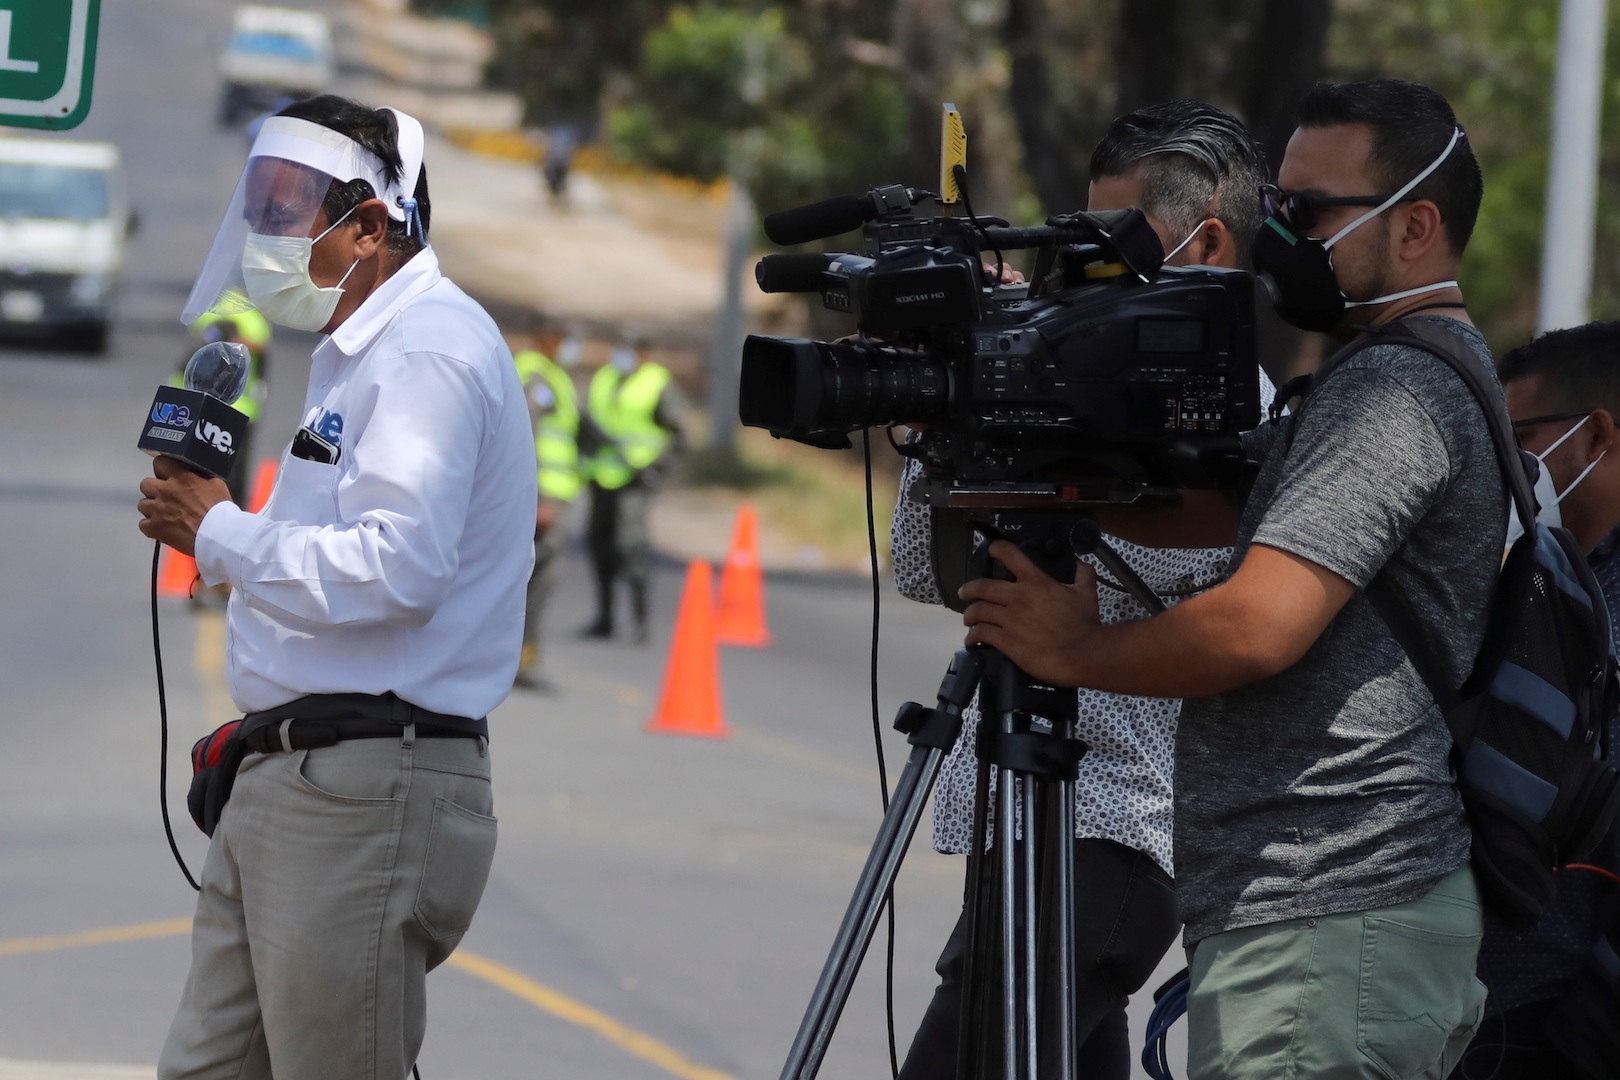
column 64, row 216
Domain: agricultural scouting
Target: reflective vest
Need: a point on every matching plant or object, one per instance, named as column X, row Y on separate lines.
column 555, row 411
column 624, row 408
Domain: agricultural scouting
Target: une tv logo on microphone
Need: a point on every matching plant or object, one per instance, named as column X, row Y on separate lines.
column 215, row 377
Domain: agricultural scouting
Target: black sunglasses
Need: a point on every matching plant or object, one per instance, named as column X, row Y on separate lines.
column 1532, row 421
column 1300, row 210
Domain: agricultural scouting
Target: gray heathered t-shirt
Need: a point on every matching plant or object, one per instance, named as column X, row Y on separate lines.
column 1327, row 788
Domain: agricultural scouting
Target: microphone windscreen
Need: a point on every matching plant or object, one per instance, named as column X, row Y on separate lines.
column 817, row 221
column 220, row 369
column 791, row 273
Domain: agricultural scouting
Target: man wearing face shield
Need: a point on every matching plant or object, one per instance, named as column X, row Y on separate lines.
column 1191, row 168
column 1554, row 1007
column 1322, row 851
column 375, row 615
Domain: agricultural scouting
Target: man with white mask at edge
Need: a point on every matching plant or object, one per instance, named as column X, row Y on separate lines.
column 375, row 616
column 1554, row 1007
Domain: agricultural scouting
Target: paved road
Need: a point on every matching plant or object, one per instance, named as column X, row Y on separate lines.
column 659, row 906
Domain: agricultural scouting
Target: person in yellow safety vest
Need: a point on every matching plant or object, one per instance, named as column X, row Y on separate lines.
column 253, row 330
column 634, row 410
column 554, row 411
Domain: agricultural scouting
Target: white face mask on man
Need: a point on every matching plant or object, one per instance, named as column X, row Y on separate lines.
column 275, row 272
column 1547, row 495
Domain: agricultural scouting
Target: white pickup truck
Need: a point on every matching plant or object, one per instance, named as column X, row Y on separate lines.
column 273, row 54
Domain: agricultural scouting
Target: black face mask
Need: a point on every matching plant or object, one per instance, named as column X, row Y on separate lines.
column 1298, row 270
column 1298, row 273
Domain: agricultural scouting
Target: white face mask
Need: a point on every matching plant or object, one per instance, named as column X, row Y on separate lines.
column 624, row 360
column 275, row 272
column 1547, row 496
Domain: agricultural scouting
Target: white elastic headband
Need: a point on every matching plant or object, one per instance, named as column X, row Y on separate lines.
column 340, row 157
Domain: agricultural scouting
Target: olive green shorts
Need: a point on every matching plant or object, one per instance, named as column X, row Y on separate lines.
column 1388, row 993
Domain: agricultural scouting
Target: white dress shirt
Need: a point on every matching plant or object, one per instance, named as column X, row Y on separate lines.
column 402, row 566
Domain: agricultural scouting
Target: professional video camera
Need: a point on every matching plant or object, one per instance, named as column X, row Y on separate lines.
column 1108, row 379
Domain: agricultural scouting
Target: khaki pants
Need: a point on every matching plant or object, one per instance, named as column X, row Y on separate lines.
column 1388, row 994
column 338, row 877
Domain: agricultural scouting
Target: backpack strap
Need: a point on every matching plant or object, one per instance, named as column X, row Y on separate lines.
column 1447, row 345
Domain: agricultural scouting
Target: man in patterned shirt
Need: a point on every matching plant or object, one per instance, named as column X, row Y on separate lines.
column 1193, row 170
column 1553, row 1012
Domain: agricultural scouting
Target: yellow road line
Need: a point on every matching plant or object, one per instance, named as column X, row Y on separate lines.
column 565, row 1008
column 111, row 935
column 805, row 757
column 514, row 982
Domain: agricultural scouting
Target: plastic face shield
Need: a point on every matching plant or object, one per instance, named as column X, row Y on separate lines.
column 291, row 167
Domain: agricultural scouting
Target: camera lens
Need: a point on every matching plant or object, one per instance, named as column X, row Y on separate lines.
column 794, row 387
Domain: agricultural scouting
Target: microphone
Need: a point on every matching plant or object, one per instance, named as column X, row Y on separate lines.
column 196, row 424
column 805, row 272
column 799, row 272
column 819, row 220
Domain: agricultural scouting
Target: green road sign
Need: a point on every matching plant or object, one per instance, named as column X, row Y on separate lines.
column 47, row 61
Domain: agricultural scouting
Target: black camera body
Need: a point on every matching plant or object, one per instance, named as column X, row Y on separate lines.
column 1109, row 379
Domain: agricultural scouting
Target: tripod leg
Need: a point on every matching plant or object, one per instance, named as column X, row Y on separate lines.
column 932, row 732
column 1007, row 867
column 1063, row 851
column 1029, row 957
column 861, row 917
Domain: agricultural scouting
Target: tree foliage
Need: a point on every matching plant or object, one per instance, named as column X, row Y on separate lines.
column 806, row 98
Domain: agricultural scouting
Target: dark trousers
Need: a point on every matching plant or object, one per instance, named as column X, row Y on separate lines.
column 1124, row 920
column 619, row 548
column 1515, row 1046
column 542, row 583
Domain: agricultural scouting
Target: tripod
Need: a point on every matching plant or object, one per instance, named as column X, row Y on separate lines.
column 1023, row 902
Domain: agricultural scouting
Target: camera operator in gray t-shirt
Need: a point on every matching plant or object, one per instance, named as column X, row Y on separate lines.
column 1320, row 844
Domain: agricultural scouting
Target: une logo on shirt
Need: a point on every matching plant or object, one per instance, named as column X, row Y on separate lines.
column 327, row 424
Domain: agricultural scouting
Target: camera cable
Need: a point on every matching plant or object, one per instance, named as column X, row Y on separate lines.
column 877, row 738
column 959, row 173
column 163, row 739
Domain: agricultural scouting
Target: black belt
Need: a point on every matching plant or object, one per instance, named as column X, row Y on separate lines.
column 326, row 719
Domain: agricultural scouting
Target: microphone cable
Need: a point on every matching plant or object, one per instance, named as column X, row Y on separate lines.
column 877, row 739
column 163, row 725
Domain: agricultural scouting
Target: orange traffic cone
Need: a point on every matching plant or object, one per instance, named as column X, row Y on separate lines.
column 690, row 701
column 264, row 481
column 741, row 616
column 176, row 574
